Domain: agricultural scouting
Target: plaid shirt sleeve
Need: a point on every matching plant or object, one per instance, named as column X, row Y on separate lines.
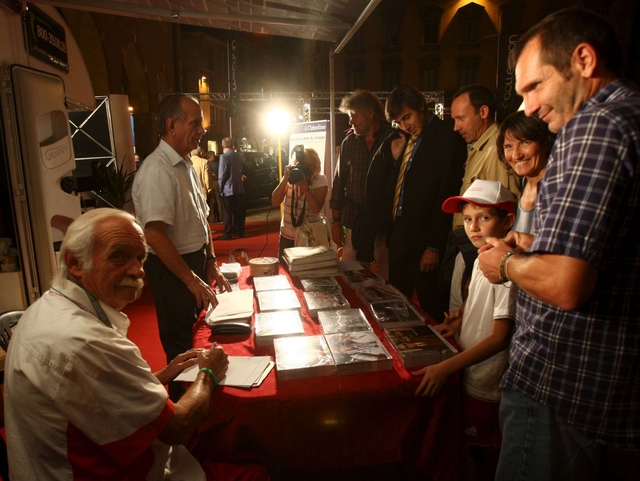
column 587, row 193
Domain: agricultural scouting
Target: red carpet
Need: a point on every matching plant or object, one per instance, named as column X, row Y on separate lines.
column 261, row 240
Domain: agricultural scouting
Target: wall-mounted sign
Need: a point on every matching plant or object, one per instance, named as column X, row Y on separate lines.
column 46, row 38
column 508, row 100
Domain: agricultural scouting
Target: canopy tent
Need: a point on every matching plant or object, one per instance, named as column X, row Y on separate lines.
column 327, row 20
column 324, row 20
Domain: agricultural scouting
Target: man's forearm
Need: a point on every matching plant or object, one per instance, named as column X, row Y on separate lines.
column 190, row 411
column 562, row 281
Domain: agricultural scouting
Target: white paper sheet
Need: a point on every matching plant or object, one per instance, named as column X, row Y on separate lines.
column 235, row 305
column 244, row 371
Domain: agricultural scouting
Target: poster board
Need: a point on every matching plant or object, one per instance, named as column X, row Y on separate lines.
column 314, row 135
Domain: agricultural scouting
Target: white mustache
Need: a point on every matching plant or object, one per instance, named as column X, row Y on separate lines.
column 130, row 282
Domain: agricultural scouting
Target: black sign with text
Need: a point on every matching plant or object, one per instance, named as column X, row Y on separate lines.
column 46, row 38
column 233, row 86
column 508, row 100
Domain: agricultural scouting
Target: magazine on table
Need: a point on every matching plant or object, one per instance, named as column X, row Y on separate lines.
column 303, row 357
column 320, row 284
column 280, row 300
column 274, row 324
column 364, row 277
column 396, row 313
column 383, row 292
column 359, row 351
column 419, row 345
column 271, row 283
column 343, row 320
column 321, row 300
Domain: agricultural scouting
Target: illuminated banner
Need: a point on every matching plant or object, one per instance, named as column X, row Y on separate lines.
column 46, row 38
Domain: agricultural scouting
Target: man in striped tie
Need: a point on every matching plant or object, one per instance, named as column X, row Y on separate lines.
column 415, row 170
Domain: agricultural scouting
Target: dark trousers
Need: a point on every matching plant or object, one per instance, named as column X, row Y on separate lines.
column 215, row 207
column 176, row 307
column 283, row 244
column 234, row 212
column 405, row 274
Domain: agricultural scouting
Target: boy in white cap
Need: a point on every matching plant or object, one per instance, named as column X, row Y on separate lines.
column 486, row 322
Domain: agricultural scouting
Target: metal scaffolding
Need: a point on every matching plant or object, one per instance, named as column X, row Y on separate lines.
column 306, row 103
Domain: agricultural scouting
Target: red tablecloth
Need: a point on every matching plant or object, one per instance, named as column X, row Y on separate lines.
column 332, row 421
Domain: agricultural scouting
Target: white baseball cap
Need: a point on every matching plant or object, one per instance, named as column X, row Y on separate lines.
column 483, row 193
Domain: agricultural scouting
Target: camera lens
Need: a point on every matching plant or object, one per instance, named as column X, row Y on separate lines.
column 295, row 175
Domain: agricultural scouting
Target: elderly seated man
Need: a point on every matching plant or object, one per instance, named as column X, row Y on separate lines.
column 81, row 403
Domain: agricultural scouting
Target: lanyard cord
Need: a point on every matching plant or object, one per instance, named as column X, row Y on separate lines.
column 297, row 222
column 100, row 314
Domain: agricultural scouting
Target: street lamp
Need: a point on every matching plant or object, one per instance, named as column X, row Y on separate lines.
column 278, row 123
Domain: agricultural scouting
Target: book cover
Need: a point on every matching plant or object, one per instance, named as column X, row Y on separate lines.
column 274, row 324
column 280, row 300
column 320, row 283
column 343, row 320
column 271, row 283
column 315, row 272
column 301, row 255
column 383, row 292
column 361, row 278
column 359, row 351
column 320, row 300
column 419, row 345
column 395, row 313
column 303, row 357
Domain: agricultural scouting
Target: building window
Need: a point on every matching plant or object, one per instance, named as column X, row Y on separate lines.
column 354, row 74
column 511, row 14
column 391, row 68
column 468, row 70
column 470, row 22
column 430, row 17
column 429, row 68
column 212, row 115
column 391, row 27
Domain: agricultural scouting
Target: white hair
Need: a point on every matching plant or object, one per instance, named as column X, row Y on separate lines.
column 80, row 239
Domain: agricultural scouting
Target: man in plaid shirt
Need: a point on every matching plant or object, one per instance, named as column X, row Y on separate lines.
column 369, row 129
column 571, row 400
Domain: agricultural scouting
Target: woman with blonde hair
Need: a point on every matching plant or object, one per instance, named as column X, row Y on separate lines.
column 303, row 189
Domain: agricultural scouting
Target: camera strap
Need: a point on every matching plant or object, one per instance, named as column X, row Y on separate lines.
column 297, row 222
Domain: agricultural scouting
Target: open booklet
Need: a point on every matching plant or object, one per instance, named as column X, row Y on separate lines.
column 244, row 371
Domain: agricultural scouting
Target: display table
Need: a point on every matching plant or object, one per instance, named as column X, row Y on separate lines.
column 332, row 421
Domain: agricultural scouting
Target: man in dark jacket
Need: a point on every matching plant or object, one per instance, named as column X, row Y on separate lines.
column 415, row 170
column 230, row 180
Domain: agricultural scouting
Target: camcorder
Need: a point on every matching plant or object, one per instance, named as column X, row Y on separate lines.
column 300, row 170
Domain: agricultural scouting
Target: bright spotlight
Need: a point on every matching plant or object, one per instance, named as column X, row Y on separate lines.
column 277, row 121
